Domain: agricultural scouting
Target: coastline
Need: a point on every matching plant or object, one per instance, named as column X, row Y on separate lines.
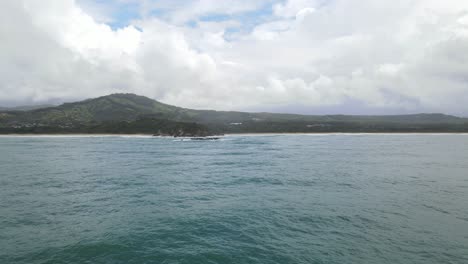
column 79, row 135
column 351, row 134
column 236, row 135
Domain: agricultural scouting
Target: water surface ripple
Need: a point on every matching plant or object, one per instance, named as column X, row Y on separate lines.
column 243, row 199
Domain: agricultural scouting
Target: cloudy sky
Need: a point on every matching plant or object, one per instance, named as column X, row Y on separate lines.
column 305, row 56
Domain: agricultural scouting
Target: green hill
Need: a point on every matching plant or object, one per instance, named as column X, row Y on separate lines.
column 130, row 113
column 24, row 108
column 116, row 107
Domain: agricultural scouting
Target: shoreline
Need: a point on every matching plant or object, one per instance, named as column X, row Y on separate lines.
column 77, row 135
column 239, row 134
column 352, row 134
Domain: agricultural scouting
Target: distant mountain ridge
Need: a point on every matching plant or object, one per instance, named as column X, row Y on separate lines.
column 24, row 107
column 108, row 113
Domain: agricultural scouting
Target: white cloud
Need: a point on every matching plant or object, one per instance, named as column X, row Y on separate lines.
column 409, row 55
column 390, row 69
column 293, row 8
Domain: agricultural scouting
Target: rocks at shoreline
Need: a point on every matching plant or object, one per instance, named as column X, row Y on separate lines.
column 183, row 132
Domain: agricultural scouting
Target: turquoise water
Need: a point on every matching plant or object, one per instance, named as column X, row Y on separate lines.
column 244, row 199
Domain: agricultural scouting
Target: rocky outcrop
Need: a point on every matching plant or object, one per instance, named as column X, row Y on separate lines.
column 192, row 130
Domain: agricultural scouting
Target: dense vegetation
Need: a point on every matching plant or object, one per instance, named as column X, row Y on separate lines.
column 24, row 107
column 129, row 113
column 157, row 127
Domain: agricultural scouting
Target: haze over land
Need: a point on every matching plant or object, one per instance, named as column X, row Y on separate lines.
column 299, row 56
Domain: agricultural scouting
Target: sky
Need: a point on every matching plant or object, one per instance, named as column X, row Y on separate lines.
column 297, row 56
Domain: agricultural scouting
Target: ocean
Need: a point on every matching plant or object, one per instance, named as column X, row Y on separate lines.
column 326, row 198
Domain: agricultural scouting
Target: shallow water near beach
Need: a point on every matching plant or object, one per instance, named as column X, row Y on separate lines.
column 240, row 199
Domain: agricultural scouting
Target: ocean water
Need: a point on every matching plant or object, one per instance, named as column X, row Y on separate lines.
column 243, row 199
